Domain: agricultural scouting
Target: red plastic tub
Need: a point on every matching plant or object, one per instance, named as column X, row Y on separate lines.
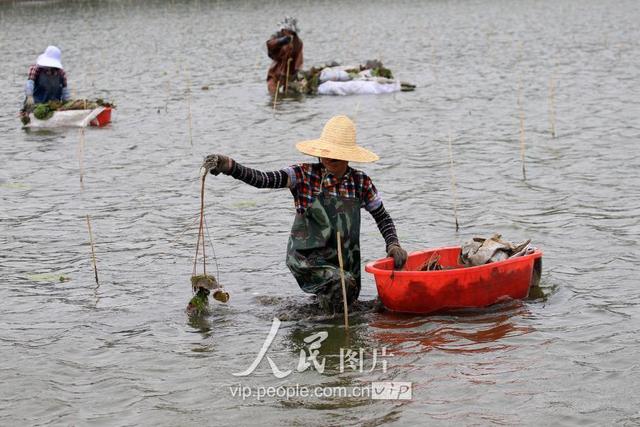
column 412, row 291
column 102, row 119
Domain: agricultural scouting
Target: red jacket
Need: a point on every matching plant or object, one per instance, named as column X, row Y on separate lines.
column 281, row 55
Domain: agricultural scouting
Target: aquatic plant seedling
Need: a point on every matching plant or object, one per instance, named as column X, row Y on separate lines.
column 204, row 285
column 199, row 304
column 210, row 284
column 204, row 281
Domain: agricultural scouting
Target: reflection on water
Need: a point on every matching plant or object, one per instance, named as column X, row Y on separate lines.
column 465, row 331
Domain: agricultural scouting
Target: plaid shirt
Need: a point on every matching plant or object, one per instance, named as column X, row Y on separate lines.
column 35, row 70
column 307, row 180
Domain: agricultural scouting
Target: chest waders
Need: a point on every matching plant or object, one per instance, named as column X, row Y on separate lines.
column 312, row 252
column 47, row 87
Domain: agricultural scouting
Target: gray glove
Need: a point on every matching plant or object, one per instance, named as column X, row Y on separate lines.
column 217, row 163
column 398, row 254
column 29, row 102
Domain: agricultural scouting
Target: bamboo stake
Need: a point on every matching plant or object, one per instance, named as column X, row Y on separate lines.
column 453, row 185
column 93, row 252
column 189, row 107
column 344, row 288
column 522, row 139
column 81, row 161
column 166, row 102
column 434, row 68
column 275, row 97
column 552, row 106
column 286, row 81
column 81, row 158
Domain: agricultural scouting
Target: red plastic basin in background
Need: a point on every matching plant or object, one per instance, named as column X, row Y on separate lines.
column 412, row 291
column 102, row 119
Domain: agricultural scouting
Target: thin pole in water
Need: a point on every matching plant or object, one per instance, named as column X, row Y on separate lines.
column 93, row 251
column 275, row 97
column 344, row 288
column 453, row 185
column 286, row 81
column 552, row 106
column 81, row 161
column 522, row 139
column 81, row 158
column 189, row 107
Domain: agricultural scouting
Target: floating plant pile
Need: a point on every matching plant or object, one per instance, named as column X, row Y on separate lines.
column 45, row 110
column 306, row 82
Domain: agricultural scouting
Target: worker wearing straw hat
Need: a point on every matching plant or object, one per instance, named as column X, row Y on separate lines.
column 328, row 196
column 285, row 48
column 47, row 80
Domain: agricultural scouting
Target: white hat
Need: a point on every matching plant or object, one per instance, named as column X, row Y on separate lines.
column 50, row 58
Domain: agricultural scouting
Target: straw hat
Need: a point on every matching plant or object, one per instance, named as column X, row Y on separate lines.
column 338, row 141
column 50, row 58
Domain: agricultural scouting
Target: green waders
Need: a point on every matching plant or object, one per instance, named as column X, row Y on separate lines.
column 312, row 254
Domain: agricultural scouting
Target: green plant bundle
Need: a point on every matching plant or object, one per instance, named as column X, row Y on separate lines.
column 382, row 71
column 45, row 110
column 42, row 112
column 199, row 304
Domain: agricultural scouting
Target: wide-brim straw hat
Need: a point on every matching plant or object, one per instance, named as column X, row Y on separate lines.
column 50, row 58
column 338, row 141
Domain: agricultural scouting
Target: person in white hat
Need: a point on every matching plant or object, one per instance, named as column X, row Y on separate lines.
column 328, row 196
column 285, row 48
column 47, row 80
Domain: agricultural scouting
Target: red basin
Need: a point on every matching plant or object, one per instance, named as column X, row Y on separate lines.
column 102, row 119
column 412, row 291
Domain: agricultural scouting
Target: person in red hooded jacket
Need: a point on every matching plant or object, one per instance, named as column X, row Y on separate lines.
column 285, row 48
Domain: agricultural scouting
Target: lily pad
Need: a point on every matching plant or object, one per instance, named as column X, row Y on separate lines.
column 244, row 204
column 48, row 277
column 15, row 186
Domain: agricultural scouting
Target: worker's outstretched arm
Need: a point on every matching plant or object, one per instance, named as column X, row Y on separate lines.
column 218, row 163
